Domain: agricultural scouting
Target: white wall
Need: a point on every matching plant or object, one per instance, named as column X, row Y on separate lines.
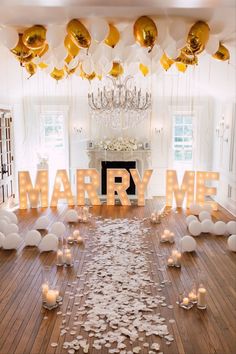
column 224, row 153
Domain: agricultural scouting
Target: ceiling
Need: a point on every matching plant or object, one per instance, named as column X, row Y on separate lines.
column 20, row 13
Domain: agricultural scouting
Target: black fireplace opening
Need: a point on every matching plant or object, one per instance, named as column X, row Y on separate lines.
column 121, row 165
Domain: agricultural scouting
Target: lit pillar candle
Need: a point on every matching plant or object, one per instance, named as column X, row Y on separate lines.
column 51, row 298
column 185, row 301
column 178, row 260
column 45, row 289
column 70, row 239
column 60, row 258
column 68, row 257
column 170, row 262
column 201, row 298
column 80, row 240
column 192, row 296
column 171, row 237
column 76, row 234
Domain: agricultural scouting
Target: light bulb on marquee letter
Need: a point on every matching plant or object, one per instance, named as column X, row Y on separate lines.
column 141, row 185
column 26, row 188
column 203, row 190
column 172, row 187
column 62, row 179
column 120, row 188
column 90, row 188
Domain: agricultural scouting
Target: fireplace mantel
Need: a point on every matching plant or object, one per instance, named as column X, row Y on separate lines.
column 141, row 157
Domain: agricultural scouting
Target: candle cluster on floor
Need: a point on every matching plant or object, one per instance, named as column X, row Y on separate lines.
column 168, row 236
column 175, row 259
column 121, row 303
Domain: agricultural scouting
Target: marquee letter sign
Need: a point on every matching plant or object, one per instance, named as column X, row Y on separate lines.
column 90, row 187
column 62, row 179
column 172, row 187
column 119, row 187
column 203, row 190
column 26, row 189
column 88, row 182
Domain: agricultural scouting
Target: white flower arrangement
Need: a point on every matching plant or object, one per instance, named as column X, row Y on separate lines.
column 119, row 144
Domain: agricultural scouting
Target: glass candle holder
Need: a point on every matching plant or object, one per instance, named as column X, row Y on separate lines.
column 202, row 297
column 68, row 258
column 193, row 293
column 76, row 234
column 51, row 298
column 185, row 302
column 60, row 260
column 171, row 237
column 45, row 289
column 170, row 262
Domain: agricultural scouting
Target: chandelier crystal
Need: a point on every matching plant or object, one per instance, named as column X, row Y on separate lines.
column 119, row 104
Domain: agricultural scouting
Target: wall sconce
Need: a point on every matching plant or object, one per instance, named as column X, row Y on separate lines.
column 158, row 130
column 78, row 130
column 222, row 130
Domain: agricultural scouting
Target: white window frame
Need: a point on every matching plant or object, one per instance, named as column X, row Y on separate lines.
column 187, row 114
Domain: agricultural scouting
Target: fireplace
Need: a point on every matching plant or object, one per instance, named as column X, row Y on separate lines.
column 117, row 164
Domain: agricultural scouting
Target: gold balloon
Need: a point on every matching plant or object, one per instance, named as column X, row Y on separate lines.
column 86, row 76
column 34, row 37
column 68, row 59
column 181, row 67
column 99, row 77
column 31, row 68
column 26, row 59
column 41, row 51
column 145, row 32
column 144, row 69
column 117, row 70
column 57, row 74
column 71, row 71
column 222, row 53
column 166, row 62
column 79, row 33
column 20, row 50
column 42, row 65
column 186, row 59
column 72, row 48
column 198, row 37
column 113, row 36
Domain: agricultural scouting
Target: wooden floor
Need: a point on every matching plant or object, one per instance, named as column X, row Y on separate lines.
column 24, row 329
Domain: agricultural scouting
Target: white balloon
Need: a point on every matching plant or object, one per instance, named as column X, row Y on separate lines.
column 219, row 228
column 9, row 37
column 10, row 215
column 58, row 228
column 143, row 58
column 162, row 32
column 88, row 66
column 232, row 243
column 42, row 223
column 188, row 244
column 60, row 53
column 73, row 63
column 231, row 227
column 190, row 218
column 98, row 28
column 3, row 225
column 212, row 45
column 55, row 35
column 178, row 29
column 195, row 209
column 180, row 43
column 49, row 69
column 207, row 226
column 71, row 216
column 93, row 47
column 5, row 218
column 12, row 241
column 172, row 51
column 133, row 68
column 33, row 238
column 48, row 243
column 118, row 52
column 204, row 215
column 2, row 238
column 127, row 36
column 11, row 228
column 195, row 228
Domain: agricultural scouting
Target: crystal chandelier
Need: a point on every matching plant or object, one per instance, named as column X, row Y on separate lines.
column 118, row 103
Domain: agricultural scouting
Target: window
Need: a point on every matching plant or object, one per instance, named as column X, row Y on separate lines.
column 53, row 129
column 183, row 137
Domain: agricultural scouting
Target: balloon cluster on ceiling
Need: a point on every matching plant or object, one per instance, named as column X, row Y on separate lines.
column 101, row 49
